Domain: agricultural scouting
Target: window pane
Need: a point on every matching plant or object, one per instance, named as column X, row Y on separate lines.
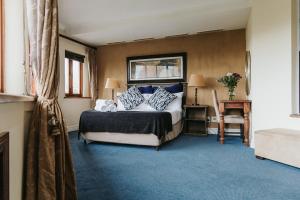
column 66, row 75
column 76, row 77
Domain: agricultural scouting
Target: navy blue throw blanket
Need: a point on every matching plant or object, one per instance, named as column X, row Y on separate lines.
column 158, row 123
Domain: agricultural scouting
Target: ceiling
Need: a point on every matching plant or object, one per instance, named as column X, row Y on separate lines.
column 98, row 22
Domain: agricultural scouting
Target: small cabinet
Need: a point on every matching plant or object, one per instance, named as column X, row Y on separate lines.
column 196, row 120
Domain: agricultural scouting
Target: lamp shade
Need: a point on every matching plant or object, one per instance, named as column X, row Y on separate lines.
column 112, row 83
column 196, row 80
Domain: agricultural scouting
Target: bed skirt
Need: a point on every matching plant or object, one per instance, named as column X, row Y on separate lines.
column 133, row 138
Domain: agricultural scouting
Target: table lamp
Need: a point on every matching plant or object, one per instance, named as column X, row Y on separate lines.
column 112, row 84
column 196, row 80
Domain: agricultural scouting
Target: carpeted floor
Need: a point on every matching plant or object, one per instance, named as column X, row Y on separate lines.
column 191, row 168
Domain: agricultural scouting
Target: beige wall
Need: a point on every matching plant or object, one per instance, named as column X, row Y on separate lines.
column 271, row 38
column 72, row 107
column 14, row 117
column 211, row 54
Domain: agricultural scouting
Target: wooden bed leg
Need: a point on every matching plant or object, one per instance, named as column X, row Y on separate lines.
column 85, row 142
column 78, row 136
column 259, row 157
column 157, row 148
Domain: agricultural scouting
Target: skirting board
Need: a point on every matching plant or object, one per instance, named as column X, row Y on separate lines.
column 214, row 131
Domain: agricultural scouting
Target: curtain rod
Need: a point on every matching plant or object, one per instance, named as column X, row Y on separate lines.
column 73, row 40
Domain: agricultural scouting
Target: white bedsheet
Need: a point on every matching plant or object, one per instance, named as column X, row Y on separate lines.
column 176, row 115
column 174, row 107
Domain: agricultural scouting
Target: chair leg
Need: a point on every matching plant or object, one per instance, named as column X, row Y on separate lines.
column 218, row 134
column 242, row 132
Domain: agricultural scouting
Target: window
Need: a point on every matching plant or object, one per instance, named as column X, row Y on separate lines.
column 2, row 47
column 73, row 76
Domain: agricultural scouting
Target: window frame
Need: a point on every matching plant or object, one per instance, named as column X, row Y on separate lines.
column 70, row 94
column 2, row 47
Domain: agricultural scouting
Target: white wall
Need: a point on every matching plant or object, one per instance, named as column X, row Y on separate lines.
column 14, row 47
column 72, row 107
column 269, row 38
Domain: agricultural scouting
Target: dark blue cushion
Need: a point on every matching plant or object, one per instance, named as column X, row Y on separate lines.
column 146, row 90
column 175, row 88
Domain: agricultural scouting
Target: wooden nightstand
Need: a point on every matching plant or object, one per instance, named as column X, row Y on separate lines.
column 196, row 120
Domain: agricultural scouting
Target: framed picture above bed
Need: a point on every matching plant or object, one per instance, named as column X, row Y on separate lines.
column 157, row 68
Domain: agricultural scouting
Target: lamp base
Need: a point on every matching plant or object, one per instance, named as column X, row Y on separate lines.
column 196, row 95
column 112, row 94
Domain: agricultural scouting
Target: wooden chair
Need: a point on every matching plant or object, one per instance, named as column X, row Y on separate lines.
column 228, row 119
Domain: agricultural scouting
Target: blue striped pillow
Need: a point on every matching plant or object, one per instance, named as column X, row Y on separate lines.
column 131, row 98
column 160, row 99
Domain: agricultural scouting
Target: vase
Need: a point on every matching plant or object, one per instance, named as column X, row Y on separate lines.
column 231, row 94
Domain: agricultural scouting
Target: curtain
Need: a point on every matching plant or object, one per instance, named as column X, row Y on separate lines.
column 93, row 74
column 49, row 173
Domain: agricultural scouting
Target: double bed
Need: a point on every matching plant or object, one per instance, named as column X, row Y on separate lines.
column 150, row 111
column 138, row 126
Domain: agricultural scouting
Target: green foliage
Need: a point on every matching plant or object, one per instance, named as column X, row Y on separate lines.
column 230, row 80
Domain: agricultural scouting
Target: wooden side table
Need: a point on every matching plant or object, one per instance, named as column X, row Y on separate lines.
column 195, row 120
column 245, row 106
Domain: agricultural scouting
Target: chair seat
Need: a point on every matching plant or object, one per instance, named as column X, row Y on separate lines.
column 233, row 119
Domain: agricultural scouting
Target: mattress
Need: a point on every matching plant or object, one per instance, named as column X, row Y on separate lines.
column 176, row 115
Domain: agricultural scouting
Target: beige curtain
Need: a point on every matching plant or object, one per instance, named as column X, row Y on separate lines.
column 93, row 74
column 49, row 171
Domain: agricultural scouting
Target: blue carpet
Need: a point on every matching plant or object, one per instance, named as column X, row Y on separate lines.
column 192, row 168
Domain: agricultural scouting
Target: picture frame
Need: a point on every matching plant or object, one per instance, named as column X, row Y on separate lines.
column 161, row 68
column 248, row 72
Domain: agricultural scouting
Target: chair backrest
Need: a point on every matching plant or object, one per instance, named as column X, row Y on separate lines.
column 216, row 105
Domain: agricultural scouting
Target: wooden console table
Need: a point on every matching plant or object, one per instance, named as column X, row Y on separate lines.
column 245, row 106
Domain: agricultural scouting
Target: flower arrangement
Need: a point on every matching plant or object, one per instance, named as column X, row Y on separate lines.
column 230, row 80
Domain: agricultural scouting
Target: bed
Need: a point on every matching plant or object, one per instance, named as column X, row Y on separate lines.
column 143, row 126
column 137, row 126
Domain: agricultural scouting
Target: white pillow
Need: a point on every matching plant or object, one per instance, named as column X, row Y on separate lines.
column 120, row 106
column 143, row 106
column 176, row 104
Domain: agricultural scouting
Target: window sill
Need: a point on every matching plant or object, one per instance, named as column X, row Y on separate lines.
column 295, row 115
column 9, row 98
